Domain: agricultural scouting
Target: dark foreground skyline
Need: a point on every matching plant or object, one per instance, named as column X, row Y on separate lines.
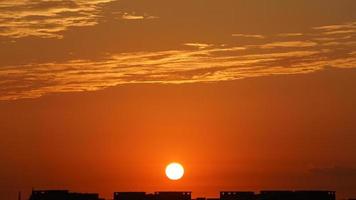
column 187, row 195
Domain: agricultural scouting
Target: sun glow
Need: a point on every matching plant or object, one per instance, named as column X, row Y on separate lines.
column 174, row 171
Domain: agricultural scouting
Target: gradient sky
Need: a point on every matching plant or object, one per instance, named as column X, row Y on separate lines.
column 99, row 95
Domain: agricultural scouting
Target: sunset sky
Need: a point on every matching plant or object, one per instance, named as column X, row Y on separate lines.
column 100, row 95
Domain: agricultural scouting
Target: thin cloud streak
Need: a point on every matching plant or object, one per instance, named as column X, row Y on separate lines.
column 46, row 19
column 248, row 35
column 290, row 34
column 191, row 63
column 199, row 45
column 291, row 44
column 134, row 16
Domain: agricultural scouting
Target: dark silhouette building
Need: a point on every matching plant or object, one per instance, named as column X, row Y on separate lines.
column 155, row 196
column 61, row 195
column 315, row 195
column 130, row 196
column 235, row 195
column 204, row 198
column 278, row 195
column 173, row 195
column 224, row 195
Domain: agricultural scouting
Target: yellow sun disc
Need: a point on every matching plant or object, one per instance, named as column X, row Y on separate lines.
column 174, row 171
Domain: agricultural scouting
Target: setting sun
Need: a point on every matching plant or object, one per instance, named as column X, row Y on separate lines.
column 174, row 171
column 177, row 100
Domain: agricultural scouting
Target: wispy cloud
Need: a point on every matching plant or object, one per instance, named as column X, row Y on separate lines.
column 134, row 16
column 21, row 18
column 189, row 63
column 199, row 45
column 248, row 35
column 292, row 44
column 338, row 29
column 348, row 25
column 290, row 34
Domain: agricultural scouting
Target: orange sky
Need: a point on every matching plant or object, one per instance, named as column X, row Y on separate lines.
column 98, row 96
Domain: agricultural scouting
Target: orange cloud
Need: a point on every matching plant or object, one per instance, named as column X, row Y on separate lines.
column 134, row 16
column 248, row 35
column 22, row 18
column 288, row 44
column 203, row 63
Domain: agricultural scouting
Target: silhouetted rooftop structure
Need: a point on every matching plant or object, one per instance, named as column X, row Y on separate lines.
column 129, row 196
column 61, row 195
column 155, row 196
column 173, row 195
column 183, row 195
column 315, row 195
column 278, row 195
column 204, row 198
column 236, row 195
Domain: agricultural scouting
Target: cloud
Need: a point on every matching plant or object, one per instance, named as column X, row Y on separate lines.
column 48, row 18
column 248, row 36
column 290, row 34
column 22, row 18
column 189, row 63
column 134, row 16
column 339, row 32
column 338, row 29
column 199, row 45
column 288, row 44
column 349, row 25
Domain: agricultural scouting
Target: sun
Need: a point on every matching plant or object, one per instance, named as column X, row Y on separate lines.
column 174, row 171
